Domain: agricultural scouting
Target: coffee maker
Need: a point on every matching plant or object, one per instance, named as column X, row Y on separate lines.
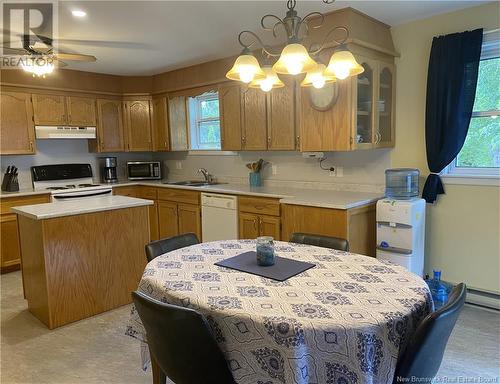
column 108, row 169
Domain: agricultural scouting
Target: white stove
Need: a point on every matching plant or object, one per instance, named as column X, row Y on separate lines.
column 67, row 181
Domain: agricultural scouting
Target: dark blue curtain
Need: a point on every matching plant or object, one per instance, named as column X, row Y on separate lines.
column 451, row 88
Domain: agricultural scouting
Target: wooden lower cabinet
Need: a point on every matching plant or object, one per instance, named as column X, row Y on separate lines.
column 357, row 225
column 259, row 216
column 189, row 219
column 148, row 193
column 10, row 257
column 168, row 222
column 179, row 212
column 249, row 225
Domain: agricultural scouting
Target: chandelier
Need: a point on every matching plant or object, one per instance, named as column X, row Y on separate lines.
column 294, row 58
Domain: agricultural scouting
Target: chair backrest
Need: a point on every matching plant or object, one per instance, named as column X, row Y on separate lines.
column 182, row 343
column 159, row 247
column 425, row 350
column 320, row 241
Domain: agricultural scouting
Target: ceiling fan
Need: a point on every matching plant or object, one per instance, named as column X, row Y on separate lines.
column 40, row 61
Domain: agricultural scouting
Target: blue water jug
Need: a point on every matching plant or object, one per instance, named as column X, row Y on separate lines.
column 439, row 290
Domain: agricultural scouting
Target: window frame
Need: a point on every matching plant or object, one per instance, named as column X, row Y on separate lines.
column 483, row 175
column 196, row 120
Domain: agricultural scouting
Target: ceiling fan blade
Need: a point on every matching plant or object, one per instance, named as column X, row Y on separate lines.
column 14, row 51
column 60, row 64
column 103, row 43
column 75, row 57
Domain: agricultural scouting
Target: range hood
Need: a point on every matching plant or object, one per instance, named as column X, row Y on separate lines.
column 64, row 132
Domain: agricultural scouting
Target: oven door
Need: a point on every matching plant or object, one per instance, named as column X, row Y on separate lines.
column 143, row 170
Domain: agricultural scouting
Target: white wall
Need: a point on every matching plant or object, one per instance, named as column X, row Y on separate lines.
column 63, row 151
column 463, row 227
column 362, row 170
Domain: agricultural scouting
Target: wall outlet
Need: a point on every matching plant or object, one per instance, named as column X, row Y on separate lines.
column 178, row 165
column 340, row 171
column 274, row 169
column 333, row 173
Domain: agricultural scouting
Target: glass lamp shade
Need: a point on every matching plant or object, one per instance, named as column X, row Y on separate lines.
column 317, row 78
column 39, row 66
column 269, row 82
column 246, row 68
column 343, row 64
column 294, row 59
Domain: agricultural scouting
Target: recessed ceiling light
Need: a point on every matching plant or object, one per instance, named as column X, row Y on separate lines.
column 78, row 13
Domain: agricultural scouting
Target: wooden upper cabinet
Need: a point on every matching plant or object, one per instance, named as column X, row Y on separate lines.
column 110, row 127
column 386, row 106
column 254, row 106
column 230, row 116
column 17, row 135
column 281, row 134
column 81, row 111
column 325, row 117
column 49, row 109
column 138, row 125
column 161, row 139
column 178, row 122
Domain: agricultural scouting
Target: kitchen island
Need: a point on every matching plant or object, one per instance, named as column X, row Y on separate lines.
column 79, row 260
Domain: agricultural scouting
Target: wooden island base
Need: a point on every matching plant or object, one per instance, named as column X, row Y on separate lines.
column 77, row 266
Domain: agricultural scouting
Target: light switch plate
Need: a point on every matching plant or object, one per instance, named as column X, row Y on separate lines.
column 178, row 165
column 340, row 171
column 274, row 169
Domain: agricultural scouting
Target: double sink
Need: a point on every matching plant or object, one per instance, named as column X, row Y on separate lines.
column 193, row 183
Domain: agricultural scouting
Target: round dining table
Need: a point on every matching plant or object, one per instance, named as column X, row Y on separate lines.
column 344, row 321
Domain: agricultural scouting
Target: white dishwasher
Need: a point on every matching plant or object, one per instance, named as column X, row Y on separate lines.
column 219, row 217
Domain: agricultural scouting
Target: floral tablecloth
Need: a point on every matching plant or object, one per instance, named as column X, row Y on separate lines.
column 343, row 321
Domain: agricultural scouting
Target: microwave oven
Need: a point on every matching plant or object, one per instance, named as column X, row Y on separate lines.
column 143, row 170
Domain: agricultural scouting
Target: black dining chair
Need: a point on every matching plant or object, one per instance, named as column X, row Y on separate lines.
column 159, row 247
column 320, row 241
column 181, row 342
column 421, row 360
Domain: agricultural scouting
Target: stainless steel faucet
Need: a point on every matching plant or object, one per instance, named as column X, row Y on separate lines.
column 208, row 177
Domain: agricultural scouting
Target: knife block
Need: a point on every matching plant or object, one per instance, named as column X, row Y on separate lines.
column 10, row 183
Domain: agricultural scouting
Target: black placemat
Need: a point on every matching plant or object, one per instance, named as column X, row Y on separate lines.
column 282, row 270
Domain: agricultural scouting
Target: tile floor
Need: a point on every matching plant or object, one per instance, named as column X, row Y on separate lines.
column 95, row 350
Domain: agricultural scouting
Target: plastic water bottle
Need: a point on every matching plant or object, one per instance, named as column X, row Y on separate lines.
column 439, row 290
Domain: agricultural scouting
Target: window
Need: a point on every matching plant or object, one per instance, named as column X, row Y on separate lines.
column 204, row 121
column 480, row 154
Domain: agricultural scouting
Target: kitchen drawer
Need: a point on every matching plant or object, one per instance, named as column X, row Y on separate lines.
column 147, row 193
column 7, row 203
column 179, row 195
column 260, row 205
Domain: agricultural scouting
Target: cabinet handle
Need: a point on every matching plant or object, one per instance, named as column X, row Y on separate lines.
column 255, row 224
column 31, row 146
column 297, row 141
column 269, row 141
column 260, row 226
column 165, row 144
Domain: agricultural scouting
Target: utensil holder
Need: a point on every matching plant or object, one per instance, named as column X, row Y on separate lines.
column 255, row 179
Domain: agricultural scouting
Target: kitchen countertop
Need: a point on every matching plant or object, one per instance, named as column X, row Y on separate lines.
column 295, row 196
column 75, row 207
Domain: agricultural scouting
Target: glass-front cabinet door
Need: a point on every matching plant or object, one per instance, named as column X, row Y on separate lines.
column 384, row 133
column 364, row 121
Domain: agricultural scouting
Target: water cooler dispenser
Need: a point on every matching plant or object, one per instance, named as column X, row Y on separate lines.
column 401, row 233
column 401, row 221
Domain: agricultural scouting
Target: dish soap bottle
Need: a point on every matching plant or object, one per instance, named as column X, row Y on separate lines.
column 439, row 290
